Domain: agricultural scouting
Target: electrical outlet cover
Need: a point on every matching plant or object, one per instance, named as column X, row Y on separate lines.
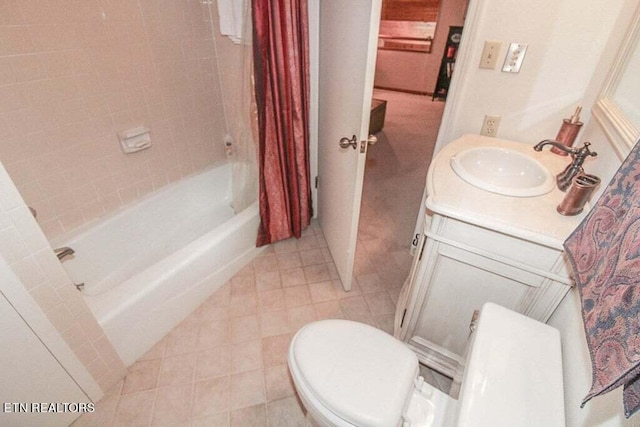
column 490, row 126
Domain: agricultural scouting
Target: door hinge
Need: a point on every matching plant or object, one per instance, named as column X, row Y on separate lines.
column 403, row 314
column 316, row 183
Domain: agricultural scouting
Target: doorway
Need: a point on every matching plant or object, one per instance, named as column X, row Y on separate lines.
column 395, row 173
column 394, row 179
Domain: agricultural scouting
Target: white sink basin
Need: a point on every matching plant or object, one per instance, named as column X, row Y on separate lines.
column 503, row 171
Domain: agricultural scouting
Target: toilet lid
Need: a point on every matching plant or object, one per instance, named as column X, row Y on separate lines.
column 359, row 373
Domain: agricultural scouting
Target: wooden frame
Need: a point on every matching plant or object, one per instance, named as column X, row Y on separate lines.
column 622, row 133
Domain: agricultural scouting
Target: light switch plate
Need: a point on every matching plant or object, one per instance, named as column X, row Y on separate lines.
column 490, row 53
column 514, row 58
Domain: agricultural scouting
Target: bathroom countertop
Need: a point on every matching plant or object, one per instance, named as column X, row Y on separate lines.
column 530, row 218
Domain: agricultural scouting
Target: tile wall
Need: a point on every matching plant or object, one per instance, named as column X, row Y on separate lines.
column 75, row 72
column 72, row 74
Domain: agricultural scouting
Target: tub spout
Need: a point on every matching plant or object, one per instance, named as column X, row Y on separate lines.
column 63, row 252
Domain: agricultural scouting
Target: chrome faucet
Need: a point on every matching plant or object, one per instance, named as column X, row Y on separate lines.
column 564, row 178
column 63, row 252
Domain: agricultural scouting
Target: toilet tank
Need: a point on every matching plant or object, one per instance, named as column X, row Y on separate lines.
column 513, row 375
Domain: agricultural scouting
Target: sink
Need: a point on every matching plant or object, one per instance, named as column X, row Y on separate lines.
column 503, row 171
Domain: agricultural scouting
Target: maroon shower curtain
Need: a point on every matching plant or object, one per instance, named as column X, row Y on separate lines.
column 281, row 69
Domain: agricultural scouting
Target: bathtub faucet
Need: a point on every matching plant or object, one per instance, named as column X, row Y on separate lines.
column 63, row 252
column 578, row 156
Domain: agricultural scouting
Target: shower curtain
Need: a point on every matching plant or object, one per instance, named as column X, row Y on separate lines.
column 235, row 22
column 281, row 71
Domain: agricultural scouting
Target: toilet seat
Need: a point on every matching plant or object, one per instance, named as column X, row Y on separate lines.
column 352, row 374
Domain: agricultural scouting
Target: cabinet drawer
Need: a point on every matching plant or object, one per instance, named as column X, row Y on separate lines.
column 496, row 243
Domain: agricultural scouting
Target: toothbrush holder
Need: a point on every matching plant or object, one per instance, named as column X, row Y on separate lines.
column 581, row 190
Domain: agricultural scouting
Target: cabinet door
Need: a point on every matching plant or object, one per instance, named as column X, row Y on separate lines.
column 457, row 284
column 30, row 373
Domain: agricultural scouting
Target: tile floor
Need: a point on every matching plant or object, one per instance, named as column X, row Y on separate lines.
column 225, row 365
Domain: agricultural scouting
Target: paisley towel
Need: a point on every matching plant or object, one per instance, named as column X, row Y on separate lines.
column 604, row 252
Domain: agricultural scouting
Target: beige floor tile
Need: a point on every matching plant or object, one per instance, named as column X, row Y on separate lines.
column 312, row 257
column 272, row 300
column 216, row 309
column 178, row 370
column 316, row 273
column 210, row 397
column 333, row 271
column 322, row 291
column 252, row 416
column 380, row 303
column 213, row 363
column 243, row 305
column 265, row 264
column 135, row 409
column 289, row 245
column 142, row 376
column 215, row 420
column 172, row 406
column 275, row 323
column 370, row 283
column 214, row 333
column 321, row 240
column 245, row 328
column 286, row 412
column 184, row 338
column 278, row 382
column 274, row 349
column 246, row 356
column 300, row 316
column 242, row 285
column 247, row 389
column 363, row 318
column 297, row 295
column 293, row 277
column 307, row 242
column 289, row 260
column 329, row 310
column 267, row 281
column 341, row 293
column 354, row 306
column 246, row 270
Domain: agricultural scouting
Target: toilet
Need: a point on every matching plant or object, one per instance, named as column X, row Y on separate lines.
column 350, row 374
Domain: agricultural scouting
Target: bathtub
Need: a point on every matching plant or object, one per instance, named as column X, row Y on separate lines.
column 147, row 267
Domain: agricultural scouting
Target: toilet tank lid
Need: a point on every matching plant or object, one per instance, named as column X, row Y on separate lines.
column 359, row 373
column 513, row 374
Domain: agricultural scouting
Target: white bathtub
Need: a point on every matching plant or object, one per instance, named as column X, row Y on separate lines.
column 149, row 266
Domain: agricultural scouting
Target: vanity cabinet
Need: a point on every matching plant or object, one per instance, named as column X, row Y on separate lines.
column 461, row 266
column 479, row 247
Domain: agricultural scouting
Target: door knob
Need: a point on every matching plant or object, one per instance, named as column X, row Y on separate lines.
column 372, row 140
column 346, row 142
